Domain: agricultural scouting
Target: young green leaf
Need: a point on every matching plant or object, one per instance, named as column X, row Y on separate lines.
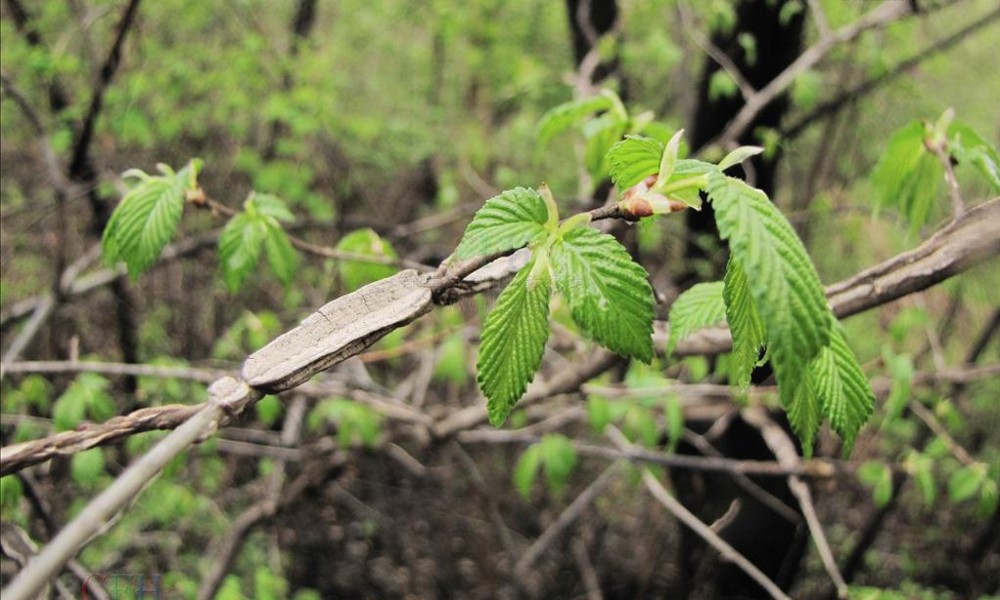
column 513, row 340
column 239, row 248
column 784, row 284
column 87, row 466
column 608, row 294
column 698, row 307
column 526, row 470
column 633, row 159
column 879, row 477
column 968, row 147
column 568, row 114
column 559, row 457
column 144, row 222
column 805, row 412
column 744, row 323
column 506, row 222
column 271, row 206
column 842, row 387
column 354, row 274
column 966, row 481
column 739, row 155
column 281, row 255
column 600, row 135
column 908, row 175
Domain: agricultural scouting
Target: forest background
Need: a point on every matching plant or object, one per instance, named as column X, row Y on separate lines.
column 382, row 126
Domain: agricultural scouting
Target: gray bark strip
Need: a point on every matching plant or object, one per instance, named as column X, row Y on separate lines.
column 339, row 329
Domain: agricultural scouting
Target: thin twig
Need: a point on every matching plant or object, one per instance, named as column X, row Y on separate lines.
column 573, row 512
column 883, row 14
column 941, row 432
column 692, row 522
column 714, row 52
column 784, row 450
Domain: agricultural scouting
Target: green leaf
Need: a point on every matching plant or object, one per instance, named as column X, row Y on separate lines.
column 354, row 274
column 506, row 222
column 270, row 206
column 513, row 340
column 145, row 220
column 268, row 410
column 920, row 467
column 239, row 248
column 674, row 412
column 908, row 175
column 739, row 155
column 559, row 457
column 634, row 159
column 842, row 388
column 87, row 466
column 965, row 482
column 608, row 293
column 601, row 134
column 86, row 395
column 968, row 147
column 901, row 369
column 599, row 413
column 805, row 413
column 879, row 477
column 281, row 255
column 782, row 280
column 568, row 114
column 698, row 307
column 744, row 323
column 453, row 360
column 527, row 469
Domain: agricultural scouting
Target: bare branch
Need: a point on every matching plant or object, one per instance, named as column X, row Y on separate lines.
column 692, row 522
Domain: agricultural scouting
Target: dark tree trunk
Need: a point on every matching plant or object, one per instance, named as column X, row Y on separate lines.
column 777, row 46
column 773, row 542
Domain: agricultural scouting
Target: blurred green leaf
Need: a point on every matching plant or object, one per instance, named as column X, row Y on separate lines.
column 364, row 242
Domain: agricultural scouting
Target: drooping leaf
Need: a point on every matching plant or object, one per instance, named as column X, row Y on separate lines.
column 281, row 255
column 744, row 323
column 608, row 294
column 698, row 307
column 354, row 274
column 968, row 147
column 633, row 159
column 508, row 221
column 239, row 248
column 87, row 466
column 879, row 476
column 271, row 206
column 908, row 175
column 842, row 387
column 568, row 114
column 805, row 413
column 513, row 340
column 782, row 280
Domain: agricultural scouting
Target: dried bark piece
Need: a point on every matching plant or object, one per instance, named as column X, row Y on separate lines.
column 337, row 331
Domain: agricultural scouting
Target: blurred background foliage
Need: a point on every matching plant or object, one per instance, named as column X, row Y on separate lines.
column 383, row 124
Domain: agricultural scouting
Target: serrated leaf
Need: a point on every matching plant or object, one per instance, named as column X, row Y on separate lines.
column 506, row 222
column 608, row 294
column 144, row 222
column 782, row 280
column 744, row 323
column 805, row 413
column 634, row 159
column 239, row 248
column 698, row 307
column 842, row 387
column 527, row 469
column 568, row 114
column 513, row 340
column 908, row 175
column 281, row 255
